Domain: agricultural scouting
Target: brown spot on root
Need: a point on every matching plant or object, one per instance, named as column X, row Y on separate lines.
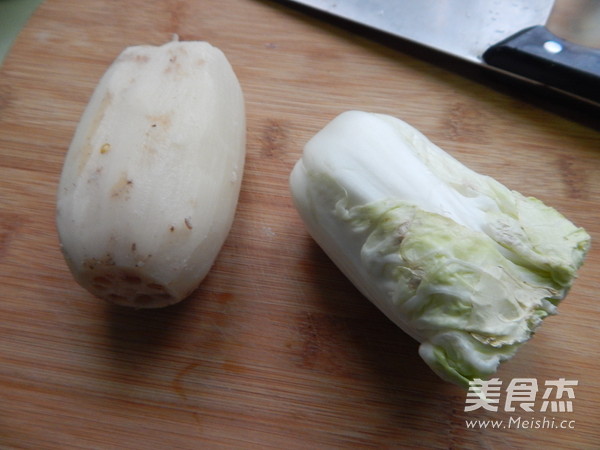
column 140, row 58
column 92, row 263
column 88, row 150
column 95, row 175
column 122, row 187
column 162, row 120
column 171, row 228
column 188, row 223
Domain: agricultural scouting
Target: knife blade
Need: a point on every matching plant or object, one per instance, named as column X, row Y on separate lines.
column 509, row 36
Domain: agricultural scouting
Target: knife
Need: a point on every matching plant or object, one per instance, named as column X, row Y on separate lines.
column 509, row 36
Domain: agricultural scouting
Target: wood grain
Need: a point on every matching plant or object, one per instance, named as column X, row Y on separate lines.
column 276, row 349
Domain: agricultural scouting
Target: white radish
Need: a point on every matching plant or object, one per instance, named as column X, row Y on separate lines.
column 151, row 180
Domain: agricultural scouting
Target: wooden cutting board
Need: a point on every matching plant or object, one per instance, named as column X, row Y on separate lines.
column 276, row 349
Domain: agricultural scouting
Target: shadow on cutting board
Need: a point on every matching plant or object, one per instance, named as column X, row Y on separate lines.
column 151, row 351
column 138, row 334
column 351, row 339
column 342, row 347
column 147, row 347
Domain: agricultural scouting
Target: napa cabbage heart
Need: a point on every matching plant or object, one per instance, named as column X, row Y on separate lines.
column 463, row 264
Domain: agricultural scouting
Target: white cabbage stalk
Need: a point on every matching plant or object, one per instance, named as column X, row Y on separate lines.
column 151, row 180
column 464, row 265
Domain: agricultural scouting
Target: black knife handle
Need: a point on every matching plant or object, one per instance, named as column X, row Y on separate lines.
column 537, row 54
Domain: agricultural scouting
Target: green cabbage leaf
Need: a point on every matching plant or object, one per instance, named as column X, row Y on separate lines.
column 460, row 262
